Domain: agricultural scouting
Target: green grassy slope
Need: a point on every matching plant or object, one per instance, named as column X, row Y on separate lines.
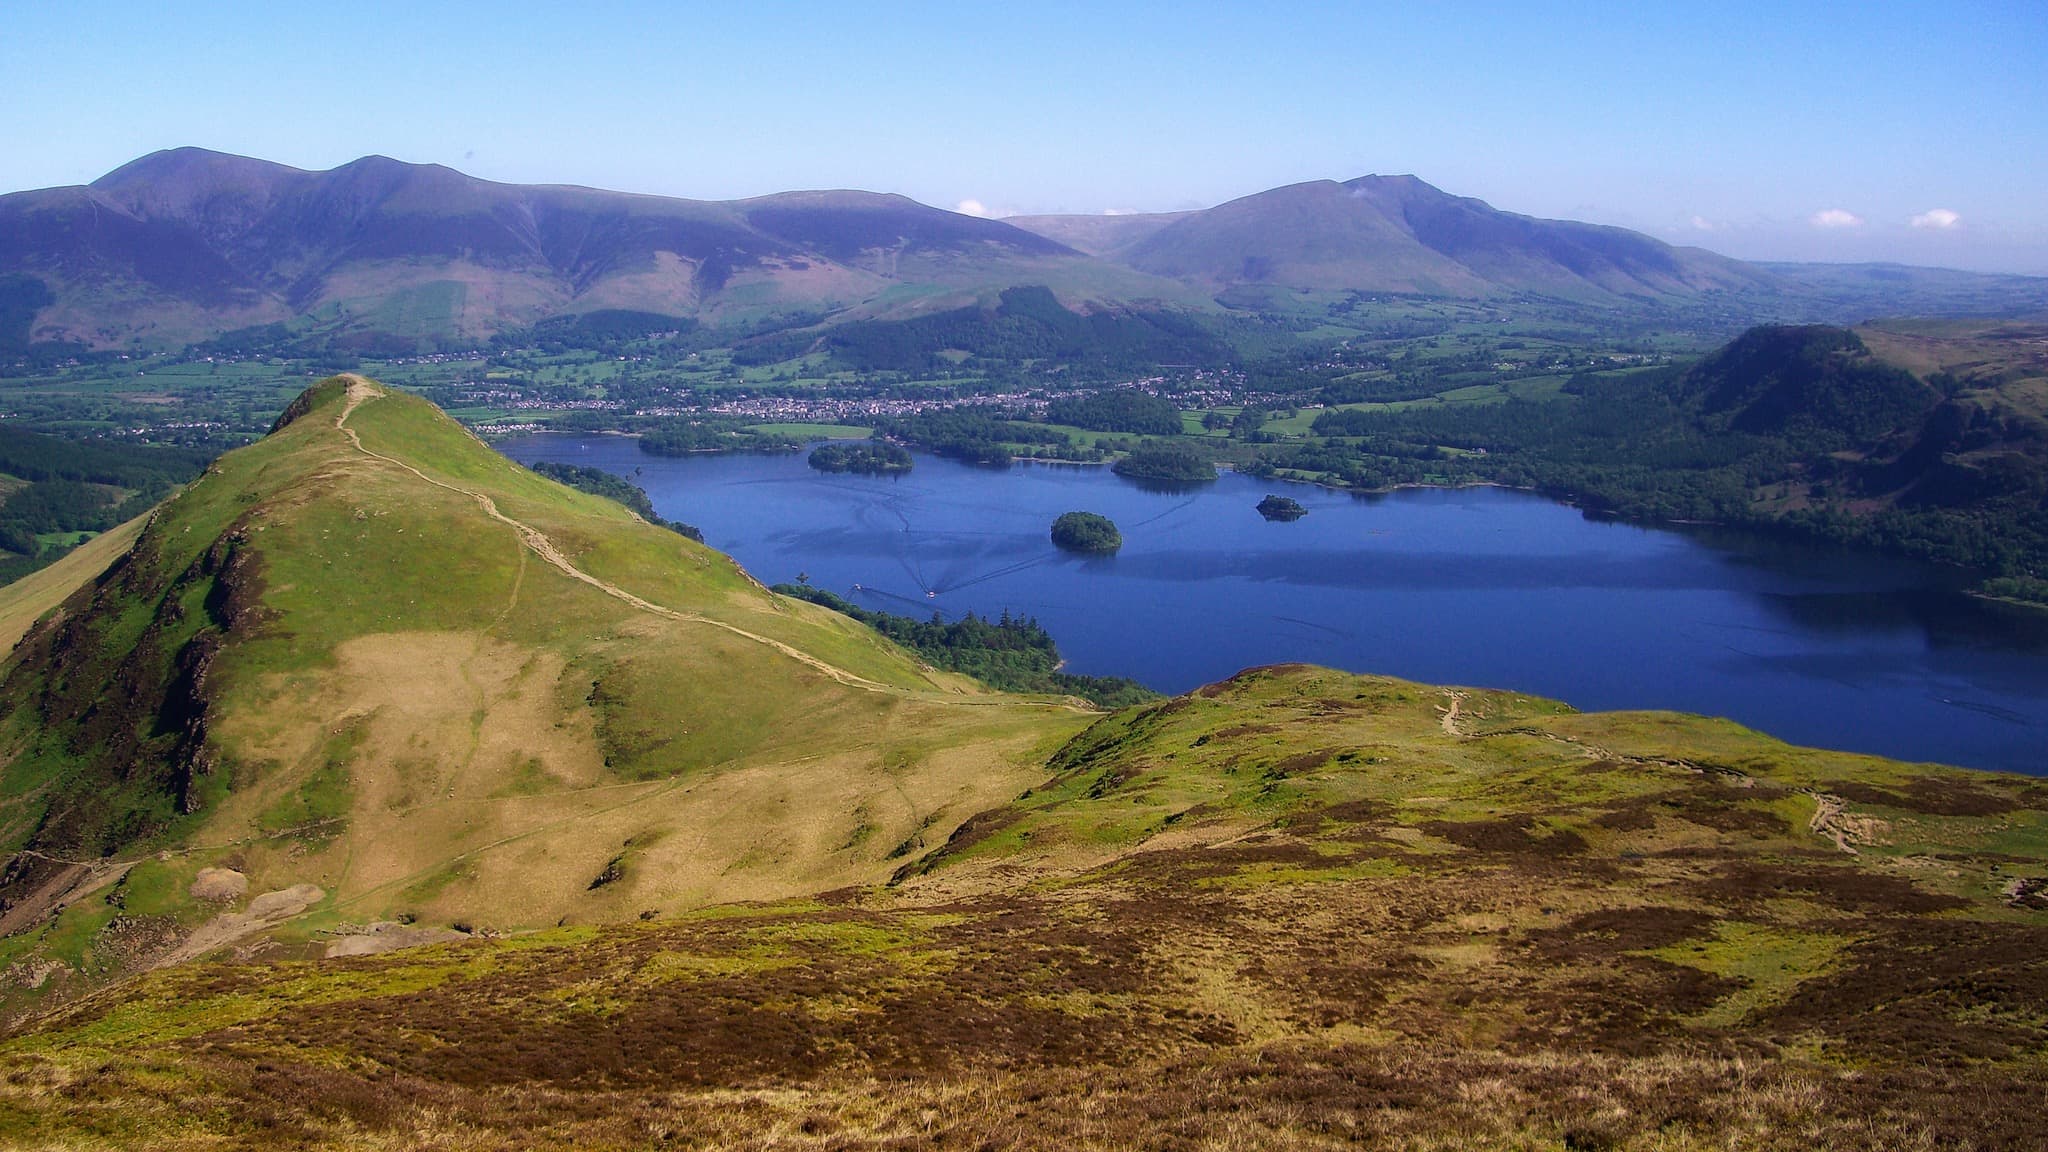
column 1297, row 909
column 370, row 655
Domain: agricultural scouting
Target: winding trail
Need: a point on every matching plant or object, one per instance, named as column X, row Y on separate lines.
column 1833, row 820
column 361, row 390
column 1451, row 714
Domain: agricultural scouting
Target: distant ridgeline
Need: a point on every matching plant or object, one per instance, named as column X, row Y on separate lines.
column 1012, row 653
column 599, row 482
column 55, row 491
column 380, row 258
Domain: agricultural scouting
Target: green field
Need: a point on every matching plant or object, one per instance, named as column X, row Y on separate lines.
column 814, row 431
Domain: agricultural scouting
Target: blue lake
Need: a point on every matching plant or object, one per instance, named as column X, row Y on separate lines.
column 1479, row 586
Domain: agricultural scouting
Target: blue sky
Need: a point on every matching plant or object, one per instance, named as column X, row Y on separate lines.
column 1797, row 131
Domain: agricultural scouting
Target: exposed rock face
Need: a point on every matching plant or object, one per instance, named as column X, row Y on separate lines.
column 221, row 884
column 388, row 936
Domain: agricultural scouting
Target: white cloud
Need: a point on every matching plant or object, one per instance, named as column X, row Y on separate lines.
column 971, row 208
column 1836, row 218
column 1702, row 224
column 1939, row 219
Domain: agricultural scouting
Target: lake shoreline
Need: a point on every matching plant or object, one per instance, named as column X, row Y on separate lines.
column 1770, row 527
column 1827, row 646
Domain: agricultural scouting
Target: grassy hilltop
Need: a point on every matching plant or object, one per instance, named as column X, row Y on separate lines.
column 693, row 865
column 370, row 656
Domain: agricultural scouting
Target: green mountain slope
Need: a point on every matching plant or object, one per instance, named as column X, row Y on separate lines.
column 1935, row 432
column 1858, row 291
column 1021, row 324
column 1816, row 387
column 371, row 656
column 1927, row 437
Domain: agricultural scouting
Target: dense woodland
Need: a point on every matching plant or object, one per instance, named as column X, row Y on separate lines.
column 20, row 298
column 1086, row 532
column 1167, row 462
column 872, row 457
column 975, row 435
column 61, row 488
column 1012, row 653
column 1281, row 508
column 1124, row 410
column 684, row 437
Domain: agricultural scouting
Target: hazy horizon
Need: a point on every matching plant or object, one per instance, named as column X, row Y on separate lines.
column 1916, row 133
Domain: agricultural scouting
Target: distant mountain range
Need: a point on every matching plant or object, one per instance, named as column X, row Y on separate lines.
column 186, row 244
column 189, row 242
column 1396, row 234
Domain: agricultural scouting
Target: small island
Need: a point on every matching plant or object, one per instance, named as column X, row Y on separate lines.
column 873, row 457
column 1167, row 462
column 1086, row 532
column 1281, row 508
